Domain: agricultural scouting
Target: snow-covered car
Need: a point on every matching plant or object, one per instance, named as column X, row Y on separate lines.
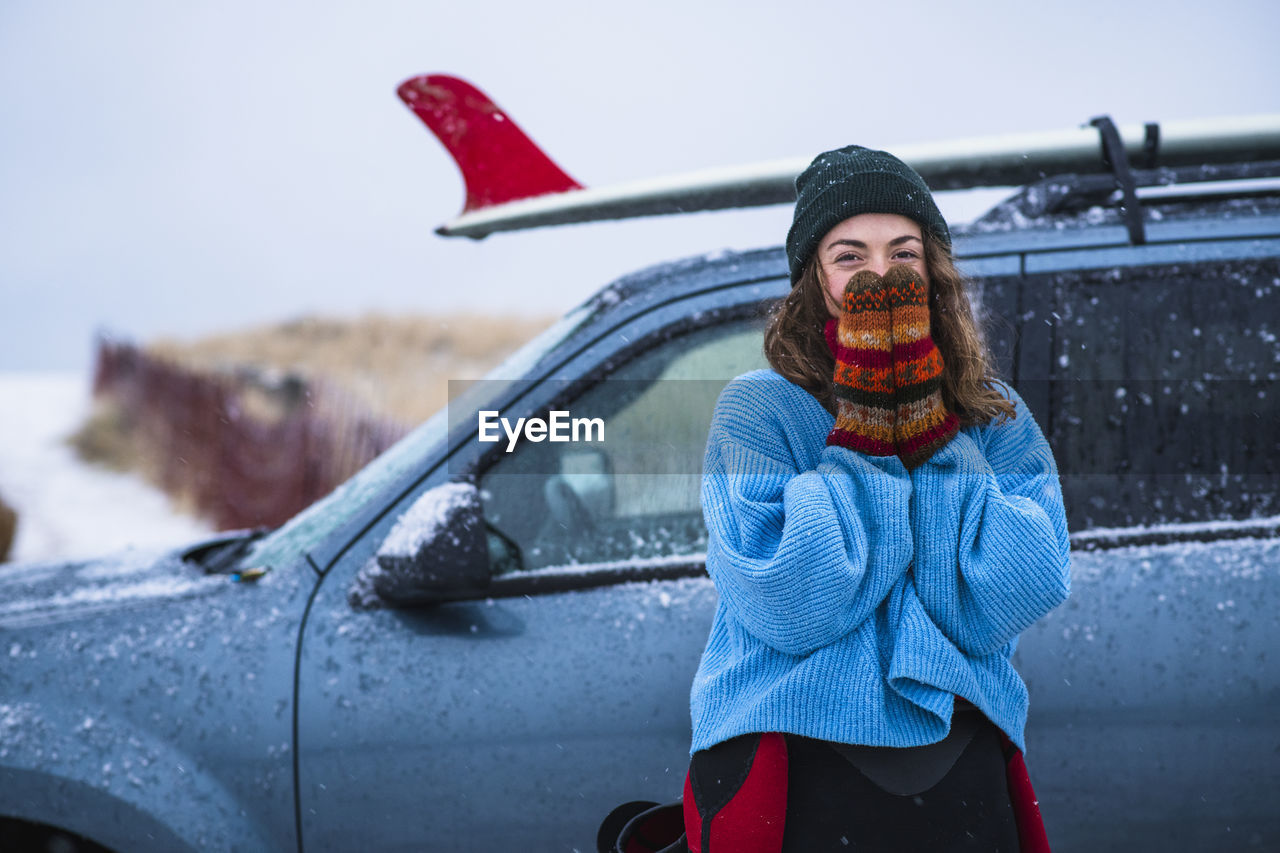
column 487, row 645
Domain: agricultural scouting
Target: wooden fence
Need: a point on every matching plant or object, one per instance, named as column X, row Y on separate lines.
column 240, row 464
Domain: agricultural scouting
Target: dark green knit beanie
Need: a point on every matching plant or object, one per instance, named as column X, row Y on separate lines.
column 852, row 180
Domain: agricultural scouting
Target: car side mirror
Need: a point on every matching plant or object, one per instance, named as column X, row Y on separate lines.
column 436, row 551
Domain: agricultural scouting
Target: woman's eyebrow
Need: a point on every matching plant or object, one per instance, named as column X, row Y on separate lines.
column 858, row 244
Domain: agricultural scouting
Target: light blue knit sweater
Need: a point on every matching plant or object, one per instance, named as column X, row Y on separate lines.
column 856, row 597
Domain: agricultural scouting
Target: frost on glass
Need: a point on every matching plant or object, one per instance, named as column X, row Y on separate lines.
column 310, row 526
column 1160, row 402
column 635, row 495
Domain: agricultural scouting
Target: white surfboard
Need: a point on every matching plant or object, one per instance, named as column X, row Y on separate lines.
column 511, row 184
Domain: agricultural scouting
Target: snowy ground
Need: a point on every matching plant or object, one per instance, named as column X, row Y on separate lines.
column 65, row 508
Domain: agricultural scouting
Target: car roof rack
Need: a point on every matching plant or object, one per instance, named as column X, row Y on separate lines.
column 1072, row 192
column 512, row 184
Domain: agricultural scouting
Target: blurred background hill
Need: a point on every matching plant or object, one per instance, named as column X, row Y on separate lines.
column 245, row 429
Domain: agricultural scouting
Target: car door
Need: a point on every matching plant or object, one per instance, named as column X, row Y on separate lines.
column 517, row 721
column 1153, row 687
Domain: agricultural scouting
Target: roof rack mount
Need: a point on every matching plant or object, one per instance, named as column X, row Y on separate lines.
column 1057, row 192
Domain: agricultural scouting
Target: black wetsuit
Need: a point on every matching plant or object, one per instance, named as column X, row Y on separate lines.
column 951, row 795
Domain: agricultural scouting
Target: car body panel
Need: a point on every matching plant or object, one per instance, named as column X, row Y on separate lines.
column 166, row 692
column 1153, row 696
column 501, row 724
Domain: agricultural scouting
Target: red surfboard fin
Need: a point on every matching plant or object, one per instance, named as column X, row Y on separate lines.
column 499, row 163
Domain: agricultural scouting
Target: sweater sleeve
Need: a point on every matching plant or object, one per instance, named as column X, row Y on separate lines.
column 992, row 554
column 800, row 557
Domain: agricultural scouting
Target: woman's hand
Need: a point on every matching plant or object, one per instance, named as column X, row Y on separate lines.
column 862, row 341
column 922, row 424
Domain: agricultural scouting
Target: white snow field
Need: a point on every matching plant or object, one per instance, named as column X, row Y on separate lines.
column 67, row 509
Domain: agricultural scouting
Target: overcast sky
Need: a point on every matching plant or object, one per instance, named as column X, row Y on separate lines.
column 181, row 168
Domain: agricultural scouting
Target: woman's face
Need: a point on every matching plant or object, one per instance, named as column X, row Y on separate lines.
column 868, row 241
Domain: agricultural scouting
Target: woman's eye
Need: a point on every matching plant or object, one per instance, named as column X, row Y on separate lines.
column 906, row 254
column 847, row 256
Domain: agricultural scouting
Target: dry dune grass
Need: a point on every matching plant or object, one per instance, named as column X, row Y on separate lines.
column 398, row 366
column 107, row 438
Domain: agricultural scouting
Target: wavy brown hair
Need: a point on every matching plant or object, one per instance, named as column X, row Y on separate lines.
column 796, row 347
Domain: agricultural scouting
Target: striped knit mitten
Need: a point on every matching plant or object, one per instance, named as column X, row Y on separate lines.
column 861, row 339
column 923, row 424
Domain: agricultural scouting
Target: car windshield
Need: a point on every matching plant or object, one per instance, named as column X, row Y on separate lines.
column 311, row 526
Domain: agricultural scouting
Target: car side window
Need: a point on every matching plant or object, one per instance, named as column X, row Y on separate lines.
column 1163, row 398
column 635, row 494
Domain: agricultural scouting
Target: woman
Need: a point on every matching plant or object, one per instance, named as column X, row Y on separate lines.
column 885, row 518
